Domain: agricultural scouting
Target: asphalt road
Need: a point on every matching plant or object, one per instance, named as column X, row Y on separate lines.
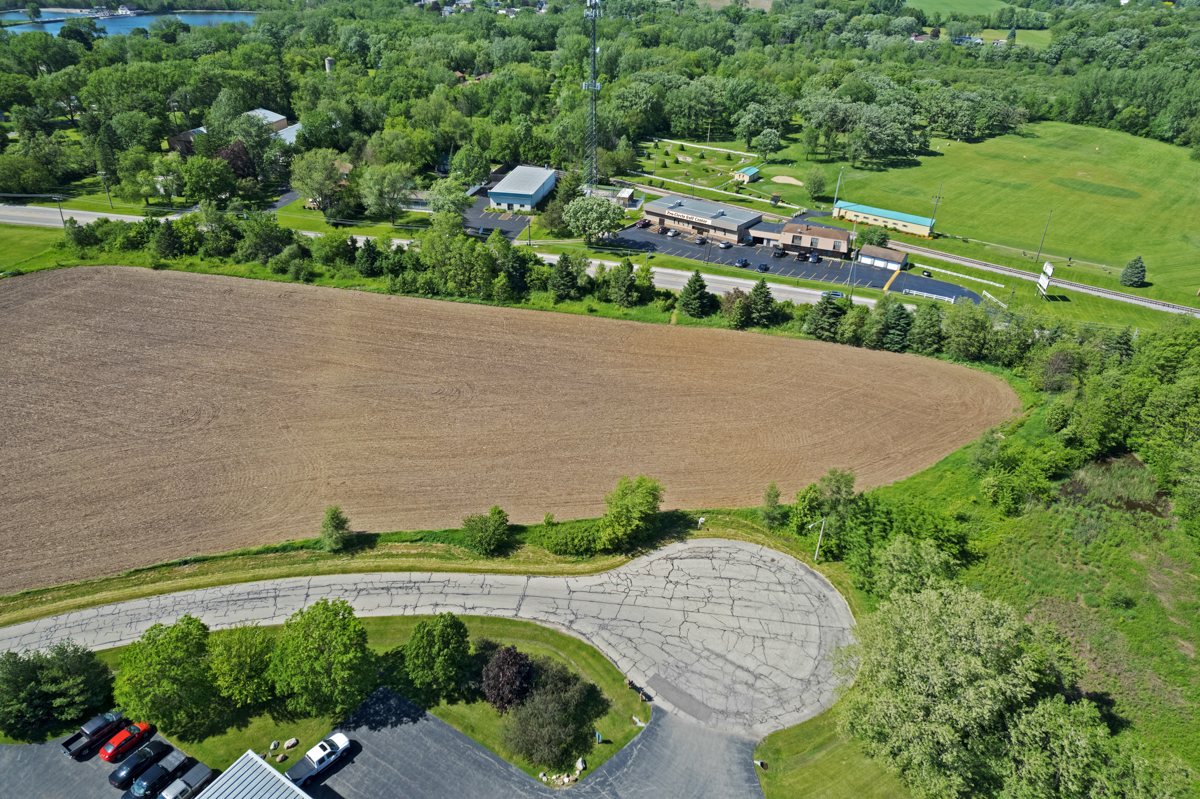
column 731, row 635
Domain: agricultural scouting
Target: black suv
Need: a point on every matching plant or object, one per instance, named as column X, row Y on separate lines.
column 136, row 763
column 777, row 253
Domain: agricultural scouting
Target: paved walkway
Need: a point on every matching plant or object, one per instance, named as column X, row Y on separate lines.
column 728, row 634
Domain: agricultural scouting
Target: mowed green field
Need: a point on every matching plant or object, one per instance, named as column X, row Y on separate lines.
column 1113, row 196
column 948, row 7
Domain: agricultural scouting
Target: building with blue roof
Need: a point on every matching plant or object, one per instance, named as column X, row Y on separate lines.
column 747, row 174
column 867, row 215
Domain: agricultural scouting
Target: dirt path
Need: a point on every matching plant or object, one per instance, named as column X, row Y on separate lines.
column 155, row 415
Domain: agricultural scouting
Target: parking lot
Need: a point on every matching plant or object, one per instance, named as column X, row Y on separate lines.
column 39, row 771
column 828, row 270
column 480, row 221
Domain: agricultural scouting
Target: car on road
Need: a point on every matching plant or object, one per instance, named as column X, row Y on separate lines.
column 319, row 758
column 813, row 258
column 742, row 263
column 660, row 229
column 124, row 775
column 723, row 245
column 157, row 777
column 837, row 295
column 642, row 223
column 672, row 234
column 777, row 253
column 92, row 734
column 763, row 268
column 125, row 741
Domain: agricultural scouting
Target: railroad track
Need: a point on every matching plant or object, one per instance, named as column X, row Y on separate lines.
column 1160, row 305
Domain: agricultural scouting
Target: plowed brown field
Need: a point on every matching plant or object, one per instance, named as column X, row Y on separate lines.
column 146, row 416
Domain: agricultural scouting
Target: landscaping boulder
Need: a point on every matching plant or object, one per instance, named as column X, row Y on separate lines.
column 280, row 757
column 580, row 764
column 274, row 745
column 291, row 743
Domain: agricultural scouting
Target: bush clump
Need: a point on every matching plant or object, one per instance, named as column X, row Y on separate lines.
column 553, row 726
column 487, row 534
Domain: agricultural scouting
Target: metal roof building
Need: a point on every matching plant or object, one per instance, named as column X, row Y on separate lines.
column 276, row 121
column 522, row 189
column 908, row 223
column 251, row 777
column 697, row 216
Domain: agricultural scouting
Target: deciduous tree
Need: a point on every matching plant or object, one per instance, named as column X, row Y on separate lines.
column 437, row 653
column 165, row 677
column 487, row 534
column 592, row 217
column 241, row 664
column 631, row 509
column 387, row 188
column 507, row 678
column 321, row 662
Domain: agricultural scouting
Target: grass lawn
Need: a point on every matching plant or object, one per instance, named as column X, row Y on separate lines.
column 1095, row 181
column 948, row 7
column 87, row 194
column 812, row 761
column 1039, row 40
column 23, row 243
column 295, row 216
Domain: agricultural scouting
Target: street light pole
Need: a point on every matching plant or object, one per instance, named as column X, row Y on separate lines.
column 819, row 537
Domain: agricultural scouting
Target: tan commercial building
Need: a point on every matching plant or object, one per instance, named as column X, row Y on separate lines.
column 800, row 237
column 866, row 215
column 721, row 222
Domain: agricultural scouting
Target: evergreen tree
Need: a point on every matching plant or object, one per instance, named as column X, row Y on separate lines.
column 694, row 299
column 366, row 260
column 166, row 240
column 334, row 530
column 620, row 284
column 925, row 338
column 564, row 284
column 877, row 326
column 762, row 304
column 899, row 322
column 1134, row 273
column 824, row 319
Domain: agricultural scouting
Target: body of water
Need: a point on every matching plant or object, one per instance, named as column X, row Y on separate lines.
column 115, row 25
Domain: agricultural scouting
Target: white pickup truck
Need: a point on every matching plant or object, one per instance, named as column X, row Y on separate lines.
column 318, row 758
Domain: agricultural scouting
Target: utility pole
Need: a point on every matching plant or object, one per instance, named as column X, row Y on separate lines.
column 58, row 202
column 839, row 186
column 591, row 168
column 1038, row 257
column 819, row 537
column 936, row 202
column 103, row 177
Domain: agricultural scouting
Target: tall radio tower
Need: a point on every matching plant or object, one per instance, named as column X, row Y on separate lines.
column 591, row 170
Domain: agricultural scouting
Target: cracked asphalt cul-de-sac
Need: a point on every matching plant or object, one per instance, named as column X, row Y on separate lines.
column 728, row 634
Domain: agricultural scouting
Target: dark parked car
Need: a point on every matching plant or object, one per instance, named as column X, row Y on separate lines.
column 124, row 775
column 777, row 253
column 642, row 223
column 93, row 734
column 661, row 229
column 925, row 273
column 724, row 245
column 763, row 268
column 814, row 258
column 742, row 263
column 701, row 240
column 157, row 777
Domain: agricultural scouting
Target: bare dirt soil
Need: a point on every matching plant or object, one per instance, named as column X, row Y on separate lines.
column 146, row 416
